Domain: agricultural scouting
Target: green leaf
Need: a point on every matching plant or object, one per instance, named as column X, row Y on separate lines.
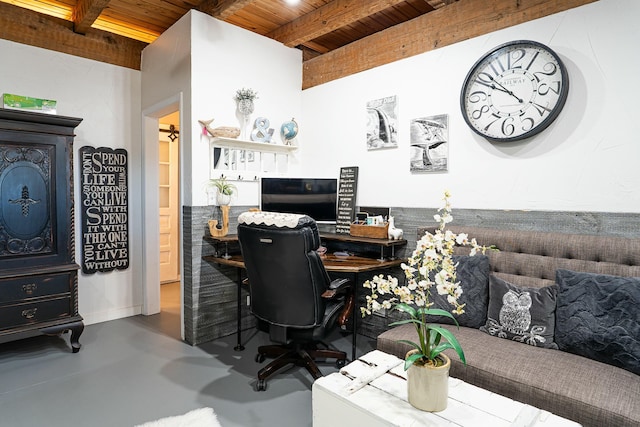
column 435, row 351
column 434, row 339
column 406, row 309
column 412, row 359
column 438, row 312
column 405, row 321
column 448, row 335
column 411, row 343
column 434, row 312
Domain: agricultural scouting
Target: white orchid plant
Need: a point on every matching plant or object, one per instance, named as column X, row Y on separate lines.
column 430, row 268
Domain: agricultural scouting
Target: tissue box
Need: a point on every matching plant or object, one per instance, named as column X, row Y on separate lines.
column 17, row 102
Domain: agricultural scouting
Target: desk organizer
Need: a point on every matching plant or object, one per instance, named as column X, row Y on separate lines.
column 372, row 231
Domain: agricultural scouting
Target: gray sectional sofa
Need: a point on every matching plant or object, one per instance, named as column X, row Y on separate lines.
column 571, row 345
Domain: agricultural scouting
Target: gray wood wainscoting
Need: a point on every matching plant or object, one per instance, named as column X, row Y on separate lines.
column 210, row 289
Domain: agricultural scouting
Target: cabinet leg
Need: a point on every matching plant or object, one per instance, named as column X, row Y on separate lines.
column 76, row 331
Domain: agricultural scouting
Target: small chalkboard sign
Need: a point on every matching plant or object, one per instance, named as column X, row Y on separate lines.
column 105, row 209
column 347, row 189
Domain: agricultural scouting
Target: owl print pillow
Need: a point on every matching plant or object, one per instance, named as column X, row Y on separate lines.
column 520, row 314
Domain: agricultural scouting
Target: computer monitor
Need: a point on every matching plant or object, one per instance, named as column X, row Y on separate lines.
column 316, row 197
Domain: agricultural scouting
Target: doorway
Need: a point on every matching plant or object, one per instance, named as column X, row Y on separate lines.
column 151, row 162
column 169, row 197
column 169, row 221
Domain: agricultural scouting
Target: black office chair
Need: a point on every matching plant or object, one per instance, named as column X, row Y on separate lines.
column 291, row 293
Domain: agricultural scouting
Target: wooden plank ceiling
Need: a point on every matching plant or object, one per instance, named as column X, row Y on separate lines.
column 337, row 37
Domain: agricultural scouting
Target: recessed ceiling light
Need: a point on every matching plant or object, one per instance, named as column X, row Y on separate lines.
column 292, row 2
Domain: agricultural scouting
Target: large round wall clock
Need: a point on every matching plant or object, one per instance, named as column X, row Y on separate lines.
column 514, row 91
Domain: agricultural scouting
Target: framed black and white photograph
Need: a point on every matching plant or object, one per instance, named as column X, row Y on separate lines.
column 429, row 140
column 382, row 119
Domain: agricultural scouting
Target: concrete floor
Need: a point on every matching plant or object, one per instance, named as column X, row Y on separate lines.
column 136, row 369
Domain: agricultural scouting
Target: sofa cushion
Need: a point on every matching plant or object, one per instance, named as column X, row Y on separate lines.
column 521, row 314
column 584, row 390
column 473, row 274
column 598, row 316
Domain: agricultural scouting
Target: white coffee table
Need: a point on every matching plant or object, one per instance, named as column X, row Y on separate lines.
column 383, row 401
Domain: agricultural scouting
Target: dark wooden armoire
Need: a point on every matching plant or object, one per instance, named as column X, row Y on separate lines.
column 38, row 273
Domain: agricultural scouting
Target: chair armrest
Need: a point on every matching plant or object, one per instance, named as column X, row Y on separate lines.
column 349, row 306
column 337, row 287
column 342, row 287
column 340, row 284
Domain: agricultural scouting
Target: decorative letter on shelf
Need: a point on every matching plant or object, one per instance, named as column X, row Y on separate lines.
column 105, row 209
column 347, row 189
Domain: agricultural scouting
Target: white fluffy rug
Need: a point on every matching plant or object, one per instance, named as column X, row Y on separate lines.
column 203, row 417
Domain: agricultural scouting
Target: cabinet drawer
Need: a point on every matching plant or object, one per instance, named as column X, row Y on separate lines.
column 34, row 312
column 23, row 288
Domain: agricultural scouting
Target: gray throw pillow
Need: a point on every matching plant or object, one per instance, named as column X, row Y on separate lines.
column 473, row 274
column 521, row 314
column 598, row 317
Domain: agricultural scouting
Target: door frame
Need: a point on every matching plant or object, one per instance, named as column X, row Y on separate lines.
column 151, row 209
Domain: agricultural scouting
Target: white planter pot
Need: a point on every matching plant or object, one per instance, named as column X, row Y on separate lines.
column 428, row 386
column 222, row 199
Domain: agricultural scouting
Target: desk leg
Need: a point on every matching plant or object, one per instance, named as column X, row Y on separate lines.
column 239, row 346
column 354, row 337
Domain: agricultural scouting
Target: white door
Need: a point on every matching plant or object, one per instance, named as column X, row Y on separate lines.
column 169, row 206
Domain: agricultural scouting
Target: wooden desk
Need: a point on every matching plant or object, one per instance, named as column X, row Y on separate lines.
column 332, row 263
column 382, row 243
column 330, row 237
column 348, row 264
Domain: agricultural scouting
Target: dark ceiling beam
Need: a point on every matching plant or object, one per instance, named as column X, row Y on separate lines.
column 222, row 9
column 326, row 19
column 35, row 29
column 85, row 14
column 458, row 21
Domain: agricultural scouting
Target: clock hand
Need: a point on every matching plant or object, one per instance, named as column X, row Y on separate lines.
column 504, row 89
column 494, row 87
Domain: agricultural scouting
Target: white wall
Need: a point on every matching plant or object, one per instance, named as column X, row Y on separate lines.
column 208, row 60
column 226, row 58
column 586, row 161
column 107, row 98
column 201, row 62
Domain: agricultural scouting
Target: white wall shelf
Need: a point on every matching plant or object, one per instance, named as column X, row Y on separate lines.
column 241, row 144
column 248, row 158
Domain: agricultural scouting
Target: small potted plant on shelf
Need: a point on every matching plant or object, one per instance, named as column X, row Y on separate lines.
column 224, row 191
column 429, row 269
column 245, row 97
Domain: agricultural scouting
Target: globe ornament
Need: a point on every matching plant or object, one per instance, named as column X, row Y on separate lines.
column 288, row 131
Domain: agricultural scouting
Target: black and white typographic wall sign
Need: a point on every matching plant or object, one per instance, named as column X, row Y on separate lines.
column 105, row 209
column 347, row 189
